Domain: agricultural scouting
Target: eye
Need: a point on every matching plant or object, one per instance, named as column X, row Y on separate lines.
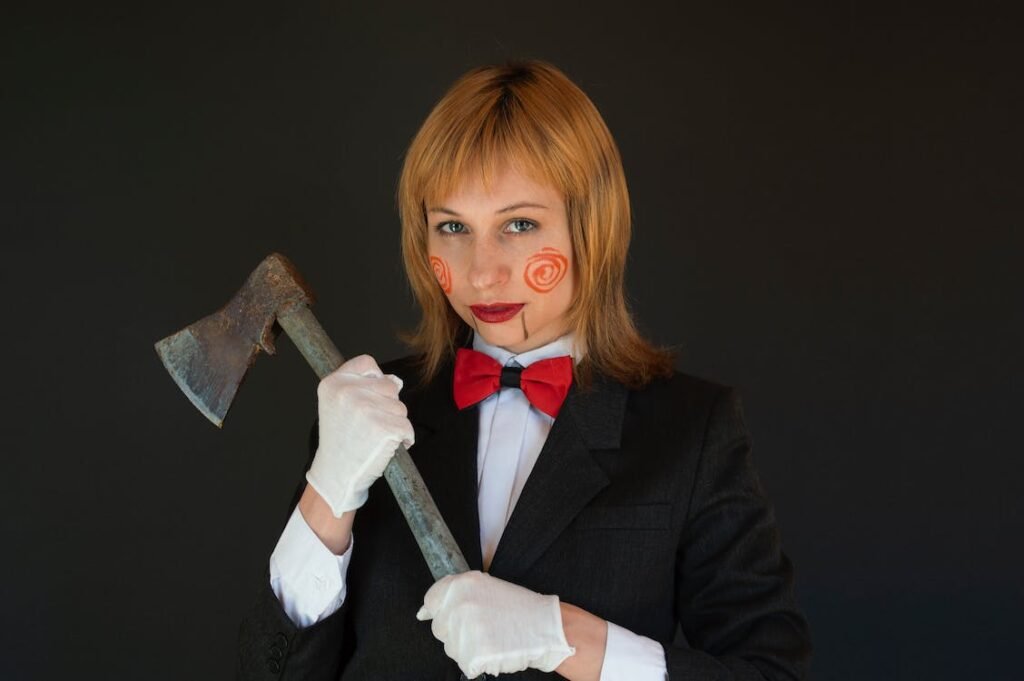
column 450, row 228
column 520, row 226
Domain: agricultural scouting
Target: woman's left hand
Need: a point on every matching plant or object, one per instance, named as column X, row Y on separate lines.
column 490, row 626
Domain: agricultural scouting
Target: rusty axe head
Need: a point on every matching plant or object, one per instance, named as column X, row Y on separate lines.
column 208, row 360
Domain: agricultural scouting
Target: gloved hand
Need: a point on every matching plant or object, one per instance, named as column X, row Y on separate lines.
column 362, row 421
column 490, row 626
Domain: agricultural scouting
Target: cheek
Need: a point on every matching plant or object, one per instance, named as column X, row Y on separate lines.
column 442, row 272
column 545, row 269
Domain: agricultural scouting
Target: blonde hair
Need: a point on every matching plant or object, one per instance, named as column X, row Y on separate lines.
column 531, row 115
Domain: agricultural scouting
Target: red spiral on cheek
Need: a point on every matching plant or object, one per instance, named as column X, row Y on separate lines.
column 545, row 269
column 442, row 272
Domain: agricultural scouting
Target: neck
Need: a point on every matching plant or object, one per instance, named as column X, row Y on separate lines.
column 558, row 347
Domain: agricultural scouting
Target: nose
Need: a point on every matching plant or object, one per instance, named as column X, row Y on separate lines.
column 489, row 267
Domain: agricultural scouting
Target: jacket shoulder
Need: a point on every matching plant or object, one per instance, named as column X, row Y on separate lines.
column 406, row 368
column 681, row 389
column 416, row 391
column 686, row 404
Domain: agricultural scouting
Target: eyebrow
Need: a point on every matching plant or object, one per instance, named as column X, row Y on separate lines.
column 506, row 209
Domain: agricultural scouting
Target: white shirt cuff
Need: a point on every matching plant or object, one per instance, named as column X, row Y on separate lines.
column 306, row 576
column 630, row 657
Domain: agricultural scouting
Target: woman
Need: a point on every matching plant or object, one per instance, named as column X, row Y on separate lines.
column 602, row 500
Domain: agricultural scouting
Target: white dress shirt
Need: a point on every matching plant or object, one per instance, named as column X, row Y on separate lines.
column 309, row 579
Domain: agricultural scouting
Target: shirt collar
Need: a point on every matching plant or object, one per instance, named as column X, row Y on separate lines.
column 556, row 348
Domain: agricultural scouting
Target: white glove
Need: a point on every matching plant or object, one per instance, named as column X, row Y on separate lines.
column 362, row 421
column 490, row 626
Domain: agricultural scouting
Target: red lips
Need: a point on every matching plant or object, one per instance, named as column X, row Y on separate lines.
column 497, row 312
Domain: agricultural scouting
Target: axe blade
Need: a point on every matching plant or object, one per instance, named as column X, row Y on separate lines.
column 209, row 359
column 208, row 362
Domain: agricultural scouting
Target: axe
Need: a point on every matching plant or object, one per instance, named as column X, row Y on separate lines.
column 209, row 359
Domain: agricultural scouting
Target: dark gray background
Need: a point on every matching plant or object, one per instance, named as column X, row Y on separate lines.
column 827, row 202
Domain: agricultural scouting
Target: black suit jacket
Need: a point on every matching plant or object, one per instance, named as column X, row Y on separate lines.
column 643, row 508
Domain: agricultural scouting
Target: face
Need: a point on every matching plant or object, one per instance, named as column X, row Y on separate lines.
column 504, row 258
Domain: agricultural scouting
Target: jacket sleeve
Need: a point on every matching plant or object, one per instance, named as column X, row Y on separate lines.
column 734, row 587
column 272, row 648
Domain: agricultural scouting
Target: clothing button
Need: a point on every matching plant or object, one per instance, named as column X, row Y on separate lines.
column 274, row 666
column 281, row 641
column 276, row 653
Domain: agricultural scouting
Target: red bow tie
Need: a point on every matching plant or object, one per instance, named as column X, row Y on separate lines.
column 545, row 383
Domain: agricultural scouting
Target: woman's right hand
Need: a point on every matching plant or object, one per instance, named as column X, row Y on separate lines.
column 362, row 422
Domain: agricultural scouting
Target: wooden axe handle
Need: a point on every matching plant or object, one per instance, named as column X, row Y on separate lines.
column 432, row 534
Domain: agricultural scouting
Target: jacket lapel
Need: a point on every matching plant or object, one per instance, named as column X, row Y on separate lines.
column 564, row 479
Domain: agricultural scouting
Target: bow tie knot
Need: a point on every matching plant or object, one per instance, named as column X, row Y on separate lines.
column 545, row 383
column 511, row 377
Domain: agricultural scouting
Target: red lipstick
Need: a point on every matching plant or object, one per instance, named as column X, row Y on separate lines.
column 496, row 313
